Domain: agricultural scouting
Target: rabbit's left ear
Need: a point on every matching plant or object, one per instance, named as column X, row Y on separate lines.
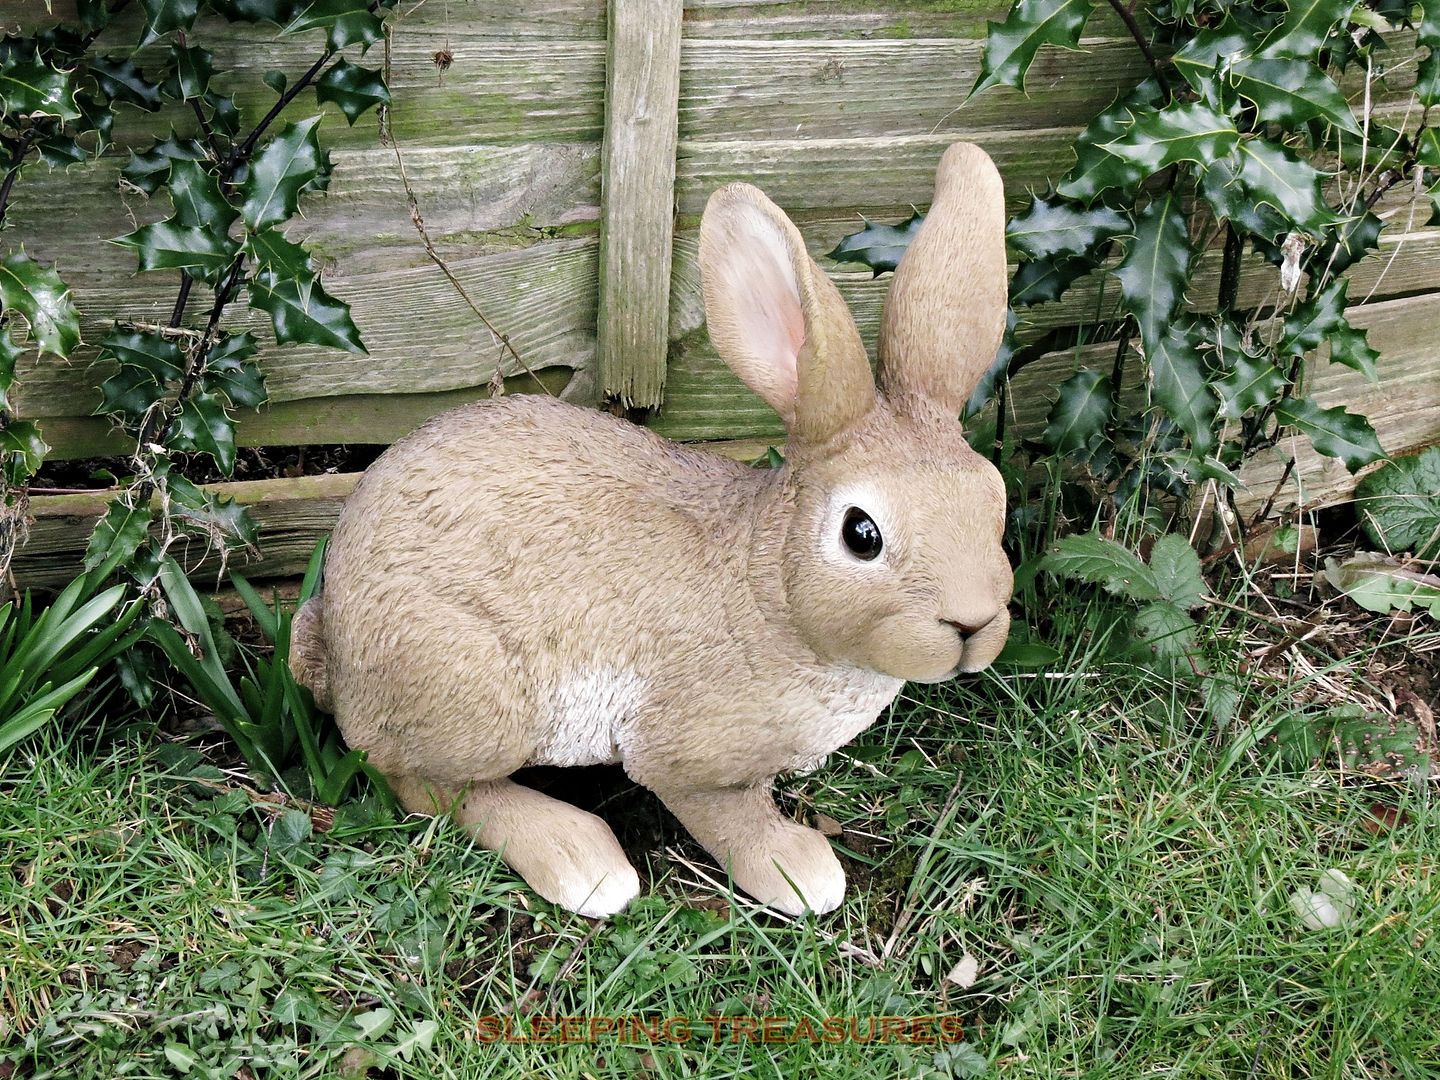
column 945, row 314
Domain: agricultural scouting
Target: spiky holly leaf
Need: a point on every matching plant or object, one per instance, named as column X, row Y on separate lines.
column 345, row 22
column 880, row 247
column 21, row 451
column 130, row 393
column 1350, row 347
column 1399, row 504
column 9, row 354
column 1052, row 226
column 1190, row 131
column 999, row 367
column 165, row 16
column 148, row 170
column 1098, row 561
column 254, row 11
column 1047, row 279
column 204, row 425
column 121, row 80
column 1179, row 383
column 279, row 172
column 230, row 371
column 1333, row 432
column 316, row 319
column 1272, row 175
column 60, row 151
column 37, row 293
column 203, row 252
column 192, row 68
column 218, row 517
column 117, row 536
column 270, row 250
column 1096, row 169
column 146, row 350
column 1081, row 410
column 1010, row 47
column 1253, row 381
column 96, row 116
column 1349, row 242
column 1205, row 52
column 1291, row 93
column 1306, row 25
column 1156, row 267
column 1228, row 197
column 1427, row 79
column 353, row 88
column 34, row 88
column 196, row 196
column 1315, row 320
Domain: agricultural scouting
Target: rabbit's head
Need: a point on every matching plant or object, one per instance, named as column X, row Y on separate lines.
column 892, row 558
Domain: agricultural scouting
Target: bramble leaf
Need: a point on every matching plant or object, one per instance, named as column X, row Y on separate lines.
column 37, row 293
column 1177, row 571
column 1051, row 227
column 1081, row 410
column 1156, row 267
column 1010, row 46
column 880, row 247
column 1164, row 631
column 279, row 172
column 1399, row 504
column 1098, row 561
column 1333, row 432
column 316, row 319
column 353, row 88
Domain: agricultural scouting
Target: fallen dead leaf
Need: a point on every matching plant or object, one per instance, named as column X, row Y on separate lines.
column 965, row 972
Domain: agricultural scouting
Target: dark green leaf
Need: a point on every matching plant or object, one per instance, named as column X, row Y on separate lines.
column 204, row 425
column 37, row 293
column 1047, row 279
column 1399, row 504
column 121, row 80
column 9, row 354
column 130, row 392
column 1274, row 176
column 346, row 22
column 1081, row 410
column 224, row 116
column 21, row 451
column 1204, row 52
column 229, row 370
column 1051, row 227
column 1427, row 79
column 1427, row 30
column 985, row 386
column 880, row 247
column 1096, row 169
column 197, row 199
column 1179, row 384
column 149, row 170
column 1307, row 24
column 1253, row 382
column 164, row 16
column 205, row 253
column 316, row 319
column 1350, row 347
column 144, row 349
column 193, row 68
column 279, row 172
column 217, row 516
column 60, row 151
column 1010, row 46
column 270, row 250
column 1156, row 267
column 1333, row 432
column 254, row 11
column 97, row 117
column 275, row 80
column 117, row 536
column 1350, row 242
column 1179, row 132
column 1315, row 320
column 1291, row 92
column 1228, row 197
column 34, row 88
column 353, row 88
column 1098, row 561
column 1163, row 630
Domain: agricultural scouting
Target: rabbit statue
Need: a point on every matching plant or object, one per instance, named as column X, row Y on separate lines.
column 523, row 581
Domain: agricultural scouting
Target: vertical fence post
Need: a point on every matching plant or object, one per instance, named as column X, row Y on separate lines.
column 637, row 192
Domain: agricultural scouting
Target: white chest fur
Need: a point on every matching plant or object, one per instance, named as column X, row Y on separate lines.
column 587, row 715
column 847, row 708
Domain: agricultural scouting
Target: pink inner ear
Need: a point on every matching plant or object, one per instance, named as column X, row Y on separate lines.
column 768, row 316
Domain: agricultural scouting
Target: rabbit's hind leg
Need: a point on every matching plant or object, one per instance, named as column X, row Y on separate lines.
column 568, row 856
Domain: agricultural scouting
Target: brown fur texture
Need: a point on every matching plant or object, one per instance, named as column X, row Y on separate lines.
column 526, row 582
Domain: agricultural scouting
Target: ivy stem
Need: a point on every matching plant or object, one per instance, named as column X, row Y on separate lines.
column 1128, row 18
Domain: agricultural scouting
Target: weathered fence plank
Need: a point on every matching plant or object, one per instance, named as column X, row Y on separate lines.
column 637, row 191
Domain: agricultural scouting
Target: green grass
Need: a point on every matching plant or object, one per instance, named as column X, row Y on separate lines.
column 1120, row 873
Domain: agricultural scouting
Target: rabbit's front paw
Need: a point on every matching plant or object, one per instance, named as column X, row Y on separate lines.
column 581, row 868
column 794, row 860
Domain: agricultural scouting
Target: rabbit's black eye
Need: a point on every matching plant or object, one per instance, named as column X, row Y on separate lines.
column 861, row 534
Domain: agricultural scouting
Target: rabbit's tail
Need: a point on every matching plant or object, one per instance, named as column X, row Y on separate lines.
column 308, row 660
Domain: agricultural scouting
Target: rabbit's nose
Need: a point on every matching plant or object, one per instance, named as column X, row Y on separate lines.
column 967, row 629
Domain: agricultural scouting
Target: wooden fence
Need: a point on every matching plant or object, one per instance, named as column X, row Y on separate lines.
column 561, row 163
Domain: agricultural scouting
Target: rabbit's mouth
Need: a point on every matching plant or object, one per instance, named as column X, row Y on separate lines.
column 979, row 645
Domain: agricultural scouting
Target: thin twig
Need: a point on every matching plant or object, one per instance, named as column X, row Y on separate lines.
column 1139, row 35
column 26, row 142
column 242, row 151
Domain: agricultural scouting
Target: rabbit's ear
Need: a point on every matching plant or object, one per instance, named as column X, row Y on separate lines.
column 777, row 320
column 945, row 313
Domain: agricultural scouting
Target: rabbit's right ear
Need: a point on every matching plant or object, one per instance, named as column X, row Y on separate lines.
column 776, row 320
